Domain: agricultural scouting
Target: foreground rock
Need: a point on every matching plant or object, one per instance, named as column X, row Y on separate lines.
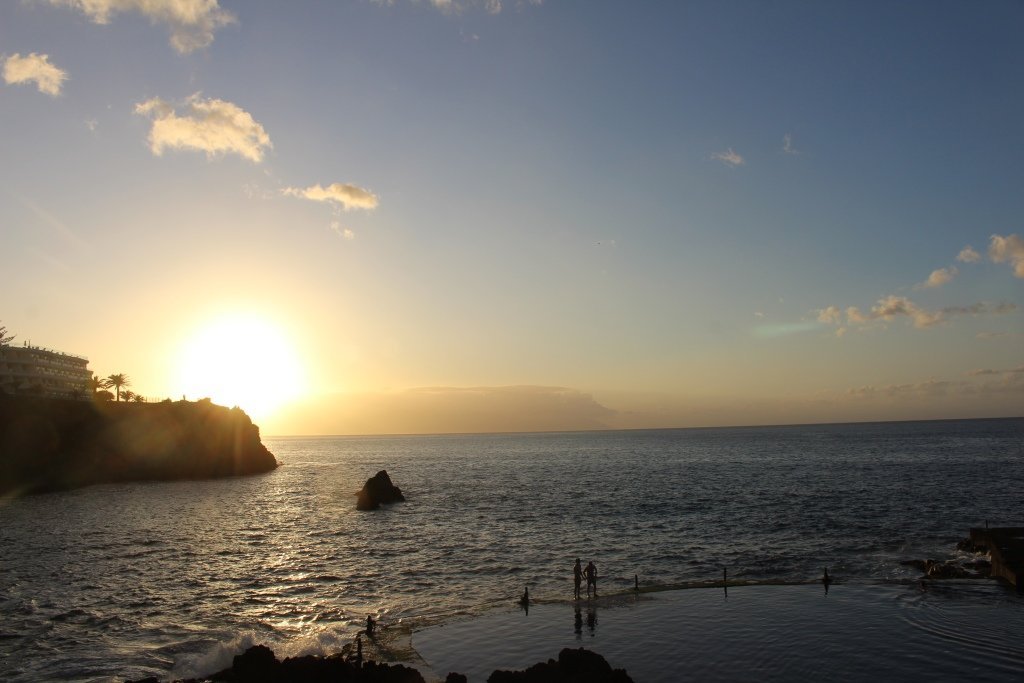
column 378, row 490
column 573, row 665
column 259, row 665
column 56, row 444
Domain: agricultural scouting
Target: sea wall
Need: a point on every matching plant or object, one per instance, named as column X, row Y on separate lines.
column 56, row 444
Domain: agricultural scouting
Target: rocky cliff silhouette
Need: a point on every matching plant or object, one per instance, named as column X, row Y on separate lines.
column 56, row 444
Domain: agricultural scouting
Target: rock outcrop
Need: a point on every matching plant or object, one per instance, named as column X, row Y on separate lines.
column 572, row 665
column 259, row 665
column 57, row 444
column 378, row 490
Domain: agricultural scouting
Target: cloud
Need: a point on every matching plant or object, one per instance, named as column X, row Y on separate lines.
column 968, row 255
column 729, row 158
column 988, row 336
column 787, row 144
column 192, row 22
column 34, row 68
column 212, row 126
column 891, row 307
column 830, row 316
column 1009, row 249
column 930, row 387
column 341, row 195
column 458, row 6
column 938, row 278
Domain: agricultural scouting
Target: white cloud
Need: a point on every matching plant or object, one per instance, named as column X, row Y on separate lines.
column 787, row 144
column 729, row 158
column 342, row 195
column 34, row 68
column 968, row 255
column 938, row 278
column 212, row 126
column 1009, row 249
column 192, row 22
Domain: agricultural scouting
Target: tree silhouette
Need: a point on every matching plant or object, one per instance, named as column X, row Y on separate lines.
column 5, row 338
column 117, row 381
column 139, row 398
column 97, row 384
column 128, row 395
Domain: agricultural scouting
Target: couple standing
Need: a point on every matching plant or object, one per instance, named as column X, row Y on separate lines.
column 577, row 576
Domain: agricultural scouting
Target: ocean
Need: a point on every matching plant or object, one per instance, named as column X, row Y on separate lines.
column 173, row 578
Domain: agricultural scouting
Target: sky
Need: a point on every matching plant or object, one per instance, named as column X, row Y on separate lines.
column 365, row 216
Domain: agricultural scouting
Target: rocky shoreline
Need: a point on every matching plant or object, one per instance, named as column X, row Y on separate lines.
column 59, row 444
column 258, row 664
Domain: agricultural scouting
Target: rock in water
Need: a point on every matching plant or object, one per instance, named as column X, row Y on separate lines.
column 377, row 490
column 572, row 665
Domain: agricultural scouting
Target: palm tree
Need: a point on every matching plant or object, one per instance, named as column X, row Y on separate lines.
column 139, row 398
column 5, row 338
column 98, row 384
column 117, row 381
column 128, row 395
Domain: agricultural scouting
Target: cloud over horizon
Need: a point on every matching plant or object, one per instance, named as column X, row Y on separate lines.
column 212, row 126
column 192, row 22
column 891, row 307
column 34, row 68
column 341, row 195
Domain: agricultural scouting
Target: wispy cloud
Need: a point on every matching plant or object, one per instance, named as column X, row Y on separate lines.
column 342, row 195
column 192, row 22
column 212, row 126
column 968, row 255
column 729, row 158
column 830, row 316
column 891, row 307
column 938, row 278
column 1008, row 249
column 34, row 68
column 458, row 6
column 787, row 144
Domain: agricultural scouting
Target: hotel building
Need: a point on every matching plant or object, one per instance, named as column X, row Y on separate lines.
column 34, row 371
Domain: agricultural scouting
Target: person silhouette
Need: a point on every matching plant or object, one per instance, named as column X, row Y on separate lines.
column 577, row 578
column 591, row 573
column 370, row 625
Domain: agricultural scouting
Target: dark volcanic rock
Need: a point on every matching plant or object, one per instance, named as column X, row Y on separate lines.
column 378, row 490
column 258, row 665
column 573, row 666
column 55, row 444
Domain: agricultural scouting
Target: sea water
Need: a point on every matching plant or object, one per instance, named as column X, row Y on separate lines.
column 172, row 579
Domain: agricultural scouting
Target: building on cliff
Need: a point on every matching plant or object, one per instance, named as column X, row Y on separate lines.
column 35, row 371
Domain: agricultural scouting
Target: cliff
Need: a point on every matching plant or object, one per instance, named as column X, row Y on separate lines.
column 55, row 444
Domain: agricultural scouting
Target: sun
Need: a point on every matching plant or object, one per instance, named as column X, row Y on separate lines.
column 242, row 360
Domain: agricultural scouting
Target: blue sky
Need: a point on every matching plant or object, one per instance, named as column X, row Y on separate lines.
column 637, row 214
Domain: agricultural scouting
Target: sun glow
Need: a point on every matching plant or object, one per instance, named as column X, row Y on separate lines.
column 242, row 360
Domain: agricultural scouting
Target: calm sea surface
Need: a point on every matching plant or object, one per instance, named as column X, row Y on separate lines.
column 172, row 578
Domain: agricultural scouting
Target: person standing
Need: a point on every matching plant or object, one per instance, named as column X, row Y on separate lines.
column 591, row 574
column 577, row 579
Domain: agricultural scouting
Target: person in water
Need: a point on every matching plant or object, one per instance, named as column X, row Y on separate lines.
column 591, row 574
column 577, row 579
column 370, row 625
